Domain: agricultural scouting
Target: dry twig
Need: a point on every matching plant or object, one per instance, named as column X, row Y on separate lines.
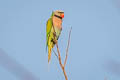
column 58, row 56
column 55, row 53
column 67, row 47
column 60, row 62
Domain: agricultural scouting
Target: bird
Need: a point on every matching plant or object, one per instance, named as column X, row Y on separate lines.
column 53, row 30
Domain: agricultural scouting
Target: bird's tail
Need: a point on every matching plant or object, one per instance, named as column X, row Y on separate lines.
column 49, row 53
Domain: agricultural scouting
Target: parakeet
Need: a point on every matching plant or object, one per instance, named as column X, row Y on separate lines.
column 53, row 30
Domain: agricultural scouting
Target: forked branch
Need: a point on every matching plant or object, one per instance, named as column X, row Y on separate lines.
column 67, row 47
column 59, row 57
column 60, row 62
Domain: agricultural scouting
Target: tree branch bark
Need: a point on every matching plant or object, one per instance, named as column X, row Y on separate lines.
column 58, row 56
column 67, row 47
column 60, row 62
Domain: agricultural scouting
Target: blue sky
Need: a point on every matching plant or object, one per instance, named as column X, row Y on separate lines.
column 95, row 39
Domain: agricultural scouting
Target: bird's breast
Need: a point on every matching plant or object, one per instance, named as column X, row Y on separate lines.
column 57, row 22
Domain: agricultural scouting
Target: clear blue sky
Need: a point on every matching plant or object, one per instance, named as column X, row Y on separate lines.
column 94, row 51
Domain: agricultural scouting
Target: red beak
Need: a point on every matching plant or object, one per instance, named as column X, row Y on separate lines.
column 62, row 15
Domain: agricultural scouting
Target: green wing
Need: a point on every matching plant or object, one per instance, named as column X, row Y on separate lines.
column 48, row 29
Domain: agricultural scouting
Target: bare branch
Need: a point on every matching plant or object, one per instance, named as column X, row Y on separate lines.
column 61, row 65
column 67, row 47
column 59, row 57
column 55, row 54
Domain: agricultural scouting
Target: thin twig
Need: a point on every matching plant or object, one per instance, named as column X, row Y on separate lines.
column 55, row 53
column 59, row 57
column 61, row 65
column 67, row 47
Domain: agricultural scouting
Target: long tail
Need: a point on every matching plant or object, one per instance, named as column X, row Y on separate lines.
column 49, row 53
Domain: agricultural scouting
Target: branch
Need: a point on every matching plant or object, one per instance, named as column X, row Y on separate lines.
column 67, row 47
column 59, row 57
column 55, row 54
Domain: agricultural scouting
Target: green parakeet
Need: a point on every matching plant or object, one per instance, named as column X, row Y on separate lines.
column 54, row 23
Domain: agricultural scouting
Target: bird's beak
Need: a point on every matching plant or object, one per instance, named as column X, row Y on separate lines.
column 62, row 15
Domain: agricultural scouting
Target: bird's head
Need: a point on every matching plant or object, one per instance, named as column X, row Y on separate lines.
column 59, row 14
